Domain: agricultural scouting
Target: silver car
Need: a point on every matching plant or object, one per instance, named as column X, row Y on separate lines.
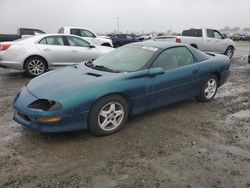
column 37, row 54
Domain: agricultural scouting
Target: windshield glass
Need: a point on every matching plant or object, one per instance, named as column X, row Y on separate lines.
column 126, row 59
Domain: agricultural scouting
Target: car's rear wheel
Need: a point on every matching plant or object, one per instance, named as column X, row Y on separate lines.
column 229, row 52
column 108, row 115
column 209, row 89
column 35, row 66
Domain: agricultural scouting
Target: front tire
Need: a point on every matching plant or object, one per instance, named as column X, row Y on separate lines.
column 108, row 115
column 209, row 89
column 229, row 52
column 35, row 66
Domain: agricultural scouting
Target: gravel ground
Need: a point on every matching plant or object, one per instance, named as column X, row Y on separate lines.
column 188, row 144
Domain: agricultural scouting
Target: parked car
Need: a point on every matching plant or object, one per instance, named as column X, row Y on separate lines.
column 122, row 39
column 21, row 33
column 207, row 40
column 87, row 35
column 39, row 53
column 100, row 95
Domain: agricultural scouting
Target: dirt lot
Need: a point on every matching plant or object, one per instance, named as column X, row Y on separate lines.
column 188, row 144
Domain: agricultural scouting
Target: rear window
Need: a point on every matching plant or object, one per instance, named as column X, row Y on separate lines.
column 192, row 33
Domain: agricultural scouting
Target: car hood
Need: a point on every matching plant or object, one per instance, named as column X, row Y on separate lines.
column 59, row 84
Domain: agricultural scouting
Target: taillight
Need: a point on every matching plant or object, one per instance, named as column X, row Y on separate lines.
column 178, row 40
column 4, row 47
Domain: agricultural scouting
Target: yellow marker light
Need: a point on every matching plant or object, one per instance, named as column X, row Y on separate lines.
column 48, row 120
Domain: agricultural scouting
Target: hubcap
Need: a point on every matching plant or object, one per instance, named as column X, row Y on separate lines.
column 230, row 53
column 36, row 67
column 111, row 116
column 210, row 88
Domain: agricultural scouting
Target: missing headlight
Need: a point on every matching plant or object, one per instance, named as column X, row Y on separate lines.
column 45, row 105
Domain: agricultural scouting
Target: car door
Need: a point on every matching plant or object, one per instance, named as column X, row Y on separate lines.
column 90, row 36
column 180, row 80
column 221, row 44
column 54, row 50
column 215, row 42
column 81, row 50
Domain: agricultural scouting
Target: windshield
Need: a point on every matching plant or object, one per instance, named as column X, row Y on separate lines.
column 126, row 59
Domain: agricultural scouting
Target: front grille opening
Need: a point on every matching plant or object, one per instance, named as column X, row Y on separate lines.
column 23, row 116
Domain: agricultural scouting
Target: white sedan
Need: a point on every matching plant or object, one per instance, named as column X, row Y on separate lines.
column 37, row 54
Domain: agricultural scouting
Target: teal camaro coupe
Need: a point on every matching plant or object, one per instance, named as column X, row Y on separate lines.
column 100, row 95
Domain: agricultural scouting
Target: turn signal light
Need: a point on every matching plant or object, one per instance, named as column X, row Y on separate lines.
column 4, row 47
column 48, row 120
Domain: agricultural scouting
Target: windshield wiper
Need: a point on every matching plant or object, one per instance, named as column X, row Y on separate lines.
column 90, row 64
column 101, row 67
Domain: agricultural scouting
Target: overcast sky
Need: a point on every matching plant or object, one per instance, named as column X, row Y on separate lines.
column 135, row 15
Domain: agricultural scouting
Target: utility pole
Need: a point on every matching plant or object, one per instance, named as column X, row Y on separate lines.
column 118, row 24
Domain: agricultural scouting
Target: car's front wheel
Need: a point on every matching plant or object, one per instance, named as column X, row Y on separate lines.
column 208, row 89
column 108, row 115
column 35, row 66
column 229, row 52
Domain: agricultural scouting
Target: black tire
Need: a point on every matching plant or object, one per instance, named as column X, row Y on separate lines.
column 204, row 94
column 104, row 105
column 39, row 66
column 229, row 52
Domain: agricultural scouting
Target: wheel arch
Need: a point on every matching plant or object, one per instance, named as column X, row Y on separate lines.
column 217, row 74
column 230, row 46
column 47, row 65
column 123, row 95
column 106, row 44
column 194, row 45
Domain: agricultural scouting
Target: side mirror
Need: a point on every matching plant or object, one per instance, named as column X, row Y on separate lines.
column 156, row 71
column 91, row 46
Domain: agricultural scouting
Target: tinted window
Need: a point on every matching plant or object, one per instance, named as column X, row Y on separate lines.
column 27, row 32
column 74, row 41
column 173, row 58
column 75, row 32
column 192, row 33
column 86, row 33
column 55, row 40
column 122, row 36
column 129, row 37
column 210, row 33
column 43, row 41
column 217, row 35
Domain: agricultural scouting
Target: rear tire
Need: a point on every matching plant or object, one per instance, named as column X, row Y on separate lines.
column 108, row 115
column 35, row 66
column 209, row 89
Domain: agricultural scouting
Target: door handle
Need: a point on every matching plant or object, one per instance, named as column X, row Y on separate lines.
column 195, row 71
column 74, row 51
column 46, row 49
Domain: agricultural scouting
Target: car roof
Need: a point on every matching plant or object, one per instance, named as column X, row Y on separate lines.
column 158, row 44
column 40, row 36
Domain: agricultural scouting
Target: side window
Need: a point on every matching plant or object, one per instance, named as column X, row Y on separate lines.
column 210, row 33
column 129, row 37
column 43, row 41
column 173, row 58
column 75, row 32
column 55, row 40
column 86, row 33
column 217, row 35
column 121, row 36
column 74, row 41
